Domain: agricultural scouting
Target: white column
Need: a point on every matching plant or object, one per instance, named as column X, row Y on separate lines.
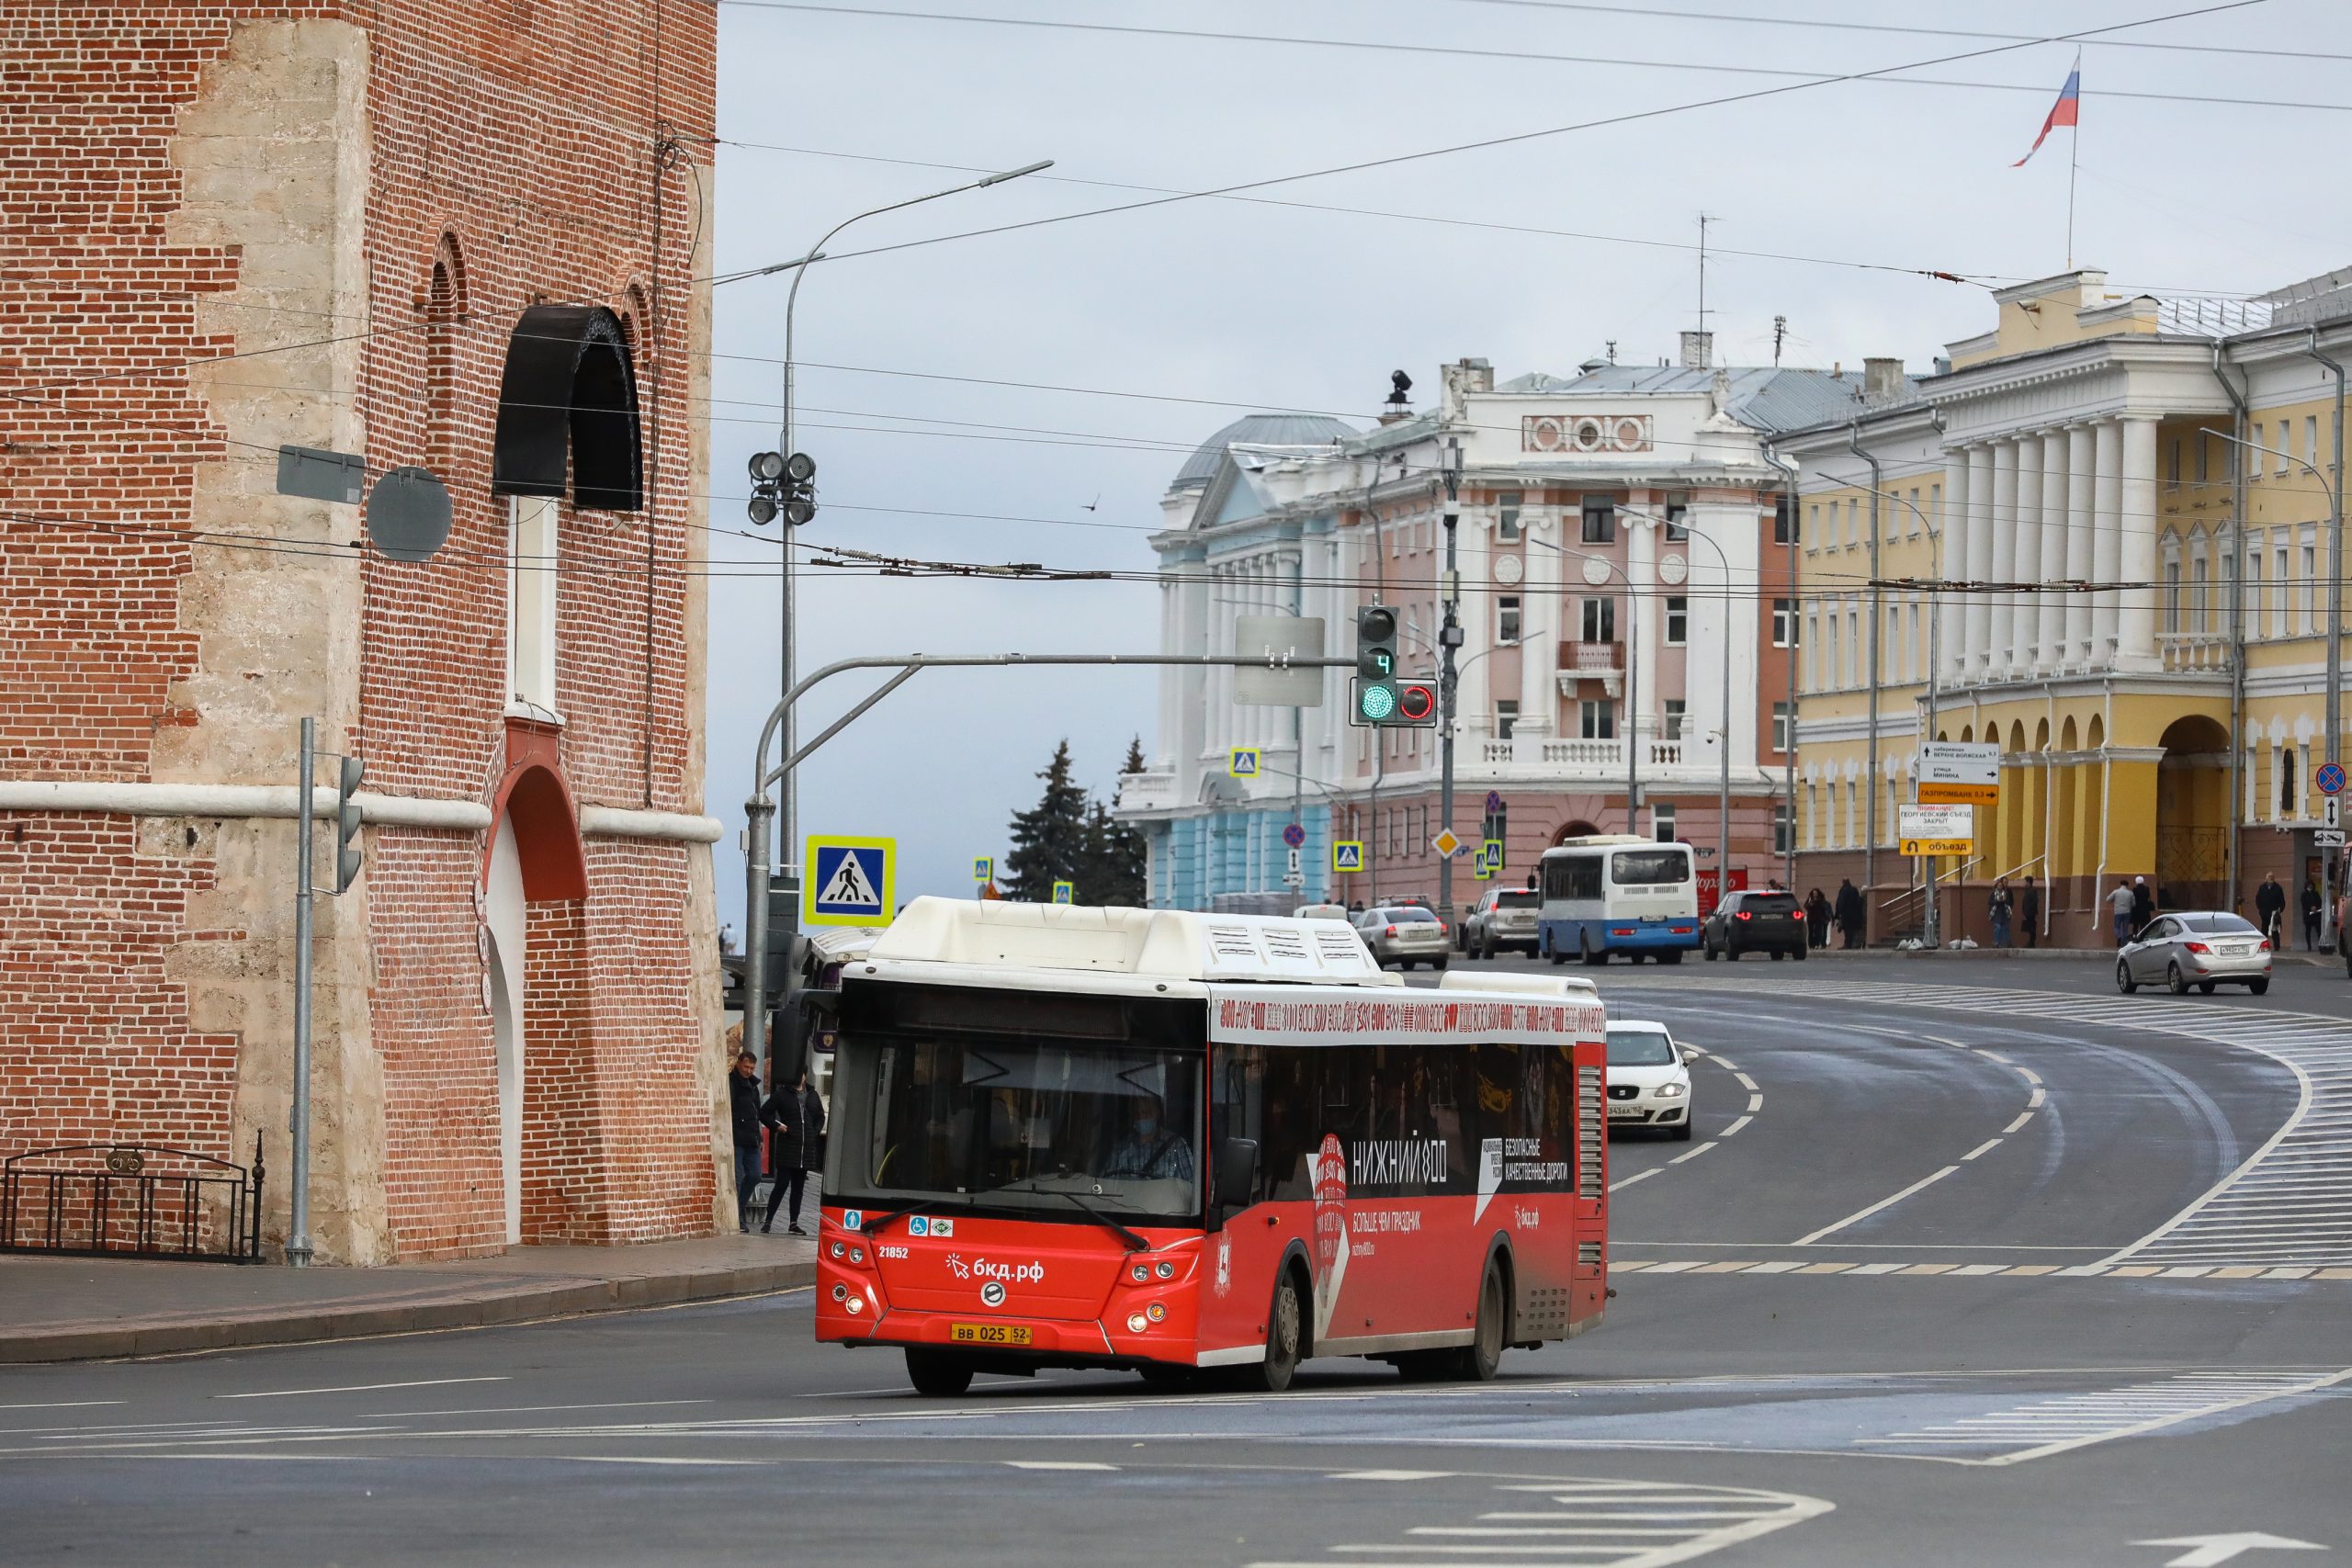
column 1977, row 608
column 2026, row 563
column 2135, row 631
column 2053, row 549
column 2107, row 534
column 1539, row 611
column 2000, row 646
column 2081, row 541
column 1951, row 557
column 1646, row 629
column 1478, row 590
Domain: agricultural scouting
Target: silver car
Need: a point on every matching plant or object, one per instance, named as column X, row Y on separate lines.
column 1503, row 917
column 1403, row 935
column 2200, row 948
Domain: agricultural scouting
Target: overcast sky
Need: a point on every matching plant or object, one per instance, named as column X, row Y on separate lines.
column 1241, row 304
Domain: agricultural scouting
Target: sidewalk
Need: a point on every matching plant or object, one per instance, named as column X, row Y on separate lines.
column 74, row 1309
column 2027, row 954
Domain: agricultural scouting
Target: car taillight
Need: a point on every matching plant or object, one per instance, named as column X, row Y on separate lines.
column 2196, row 947
column 1740, row 914
column 2262, row 946
column 1392, row 930
column 1440, row 925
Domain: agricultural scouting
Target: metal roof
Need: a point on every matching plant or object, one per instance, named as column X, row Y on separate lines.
column 1763, row 397
column 1259, row 430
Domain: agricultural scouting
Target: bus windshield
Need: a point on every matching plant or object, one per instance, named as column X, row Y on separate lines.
column 1014, row 1124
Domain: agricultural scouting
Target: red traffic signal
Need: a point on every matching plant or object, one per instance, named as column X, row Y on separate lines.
column 1415, row 702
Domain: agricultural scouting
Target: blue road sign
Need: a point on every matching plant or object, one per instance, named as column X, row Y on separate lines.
column 1347, row 854
column 1494, row 800
column 1294, row 835
column 849, row 882
column 2330, row 778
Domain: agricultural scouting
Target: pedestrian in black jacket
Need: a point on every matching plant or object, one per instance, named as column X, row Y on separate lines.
column 744, row 1102
column 1849, row 912
column 2143, row 904
column 798, row 1117
column 2270, row 910
column 2310, row 917
column 2029, row 912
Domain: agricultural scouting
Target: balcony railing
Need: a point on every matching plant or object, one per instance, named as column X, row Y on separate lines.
column 1154, row 789
column 1592, row 660
column 2194, row 650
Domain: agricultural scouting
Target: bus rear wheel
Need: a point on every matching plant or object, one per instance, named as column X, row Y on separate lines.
column 937, row 1374
column 1286, row 1337
column 1478, row 1361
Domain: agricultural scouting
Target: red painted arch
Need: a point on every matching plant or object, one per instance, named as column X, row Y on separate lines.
column 546, row 833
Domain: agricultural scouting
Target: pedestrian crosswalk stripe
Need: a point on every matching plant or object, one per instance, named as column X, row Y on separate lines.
column 1934, row 1269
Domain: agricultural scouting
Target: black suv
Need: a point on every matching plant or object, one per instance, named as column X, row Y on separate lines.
column 1754, row 922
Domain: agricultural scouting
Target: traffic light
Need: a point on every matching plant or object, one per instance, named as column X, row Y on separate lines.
column 1375, row 684
column 346, row 824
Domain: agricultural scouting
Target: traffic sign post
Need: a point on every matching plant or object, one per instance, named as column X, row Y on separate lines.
column 1447, row 843
column 2329, row 778
column 1294, row 836
column 851, row 882
column 1347, row 855
column 1241, row 762
column 1935, row 830
column 1960, row 773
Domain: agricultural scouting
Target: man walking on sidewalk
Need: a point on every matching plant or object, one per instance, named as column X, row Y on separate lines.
column 2270, row 910
column 2029, row 912
column 2120, row 902
column 744, row 1102
column 1849, row 913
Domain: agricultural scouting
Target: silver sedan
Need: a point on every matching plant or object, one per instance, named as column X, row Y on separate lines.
column 2200, row 948
column 1403, row 935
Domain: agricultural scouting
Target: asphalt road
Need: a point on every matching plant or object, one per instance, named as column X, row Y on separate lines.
column 1954, row 1270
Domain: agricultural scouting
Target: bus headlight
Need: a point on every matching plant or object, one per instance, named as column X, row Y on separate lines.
column 1164, row 1269
column 837, row 1249
column 1139, row 1274
column 857, row 1254
column 1135, row 1323
column 854, row 1306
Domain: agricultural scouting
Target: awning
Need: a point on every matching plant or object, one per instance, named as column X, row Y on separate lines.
column 569, row 391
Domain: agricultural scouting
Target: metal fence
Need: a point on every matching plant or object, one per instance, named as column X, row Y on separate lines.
column 131, row 1200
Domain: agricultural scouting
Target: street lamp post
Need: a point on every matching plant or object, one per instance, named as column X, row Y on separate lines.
column 788, row 806
column 1449, row 638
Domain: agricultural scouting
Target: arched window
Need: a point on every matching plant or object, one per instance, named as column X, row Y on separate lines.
column 443, row 309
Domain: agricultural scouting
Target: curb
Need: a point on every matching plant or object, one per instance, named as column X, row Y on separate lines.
column 2030, row 954
column 571, row 1298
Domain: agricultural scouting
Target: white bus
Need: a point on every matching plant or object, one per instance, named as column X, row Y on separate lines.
column 1617, row 893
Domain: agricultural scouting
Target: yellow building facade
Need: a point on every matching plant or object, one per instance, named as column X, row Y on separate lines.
column 2105, row 541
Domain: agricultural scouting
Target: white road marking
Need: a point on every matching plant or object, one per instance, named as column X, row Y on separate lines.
column 1745, row 1081
column 1392, row 1475
column 1860, row 1215
column 2060, row 1425
column 2023, row 1118
column 2033, row 1102
column 359, row 1388
column 1637, row 1176
column 1057, row 1464
column 1693, row 1154
column 1755, row 1103
column 534, row 1409
column 1620, row 1524
column 1985, row 1148
column 1736, row 1126
column 66, row 1405
column 2028, row 1074
column 2210, row 1550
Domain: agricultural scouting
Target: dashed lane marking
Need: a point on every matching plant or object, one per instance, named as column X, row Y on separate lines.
column 1617, row 1524
column 2048, row 1427
column 1976, row 1270
column 2288, row 1204
column 1057, row 1464
column 358, row 1388
column 1862, row 1214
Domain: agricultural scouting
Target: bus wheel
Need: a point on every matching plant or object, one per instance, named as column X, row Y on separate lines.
column 936, row 1374
column 1284, row 1331
column 1556, row 957
column 1476, row 1362
column 1592, row 960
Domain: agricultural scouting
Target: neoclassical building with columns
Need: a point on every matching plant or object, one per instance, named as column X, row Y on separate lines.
column 2099, row 537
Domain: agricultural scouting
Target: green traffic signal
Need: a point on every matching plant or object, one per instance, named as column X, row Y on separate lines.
column 1377, row 701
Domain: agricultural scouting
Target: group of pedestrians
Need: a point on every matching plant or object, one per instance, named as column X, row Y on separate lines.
column 1848, row 914
column 796, row 1117
column 2270, row 912
column 2010, row 907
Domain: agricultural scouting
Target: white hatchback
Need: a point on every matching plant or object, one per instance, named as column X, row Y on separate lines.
column 1649, row 1086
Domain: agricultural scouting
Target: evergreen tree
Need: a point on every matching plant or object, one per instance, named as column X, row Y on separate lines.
column 1111, row 868
column 1049, row 840
column 1134, row 764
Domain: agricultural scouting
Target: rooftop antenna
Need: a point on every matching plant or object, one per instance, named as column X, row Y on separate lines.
column 1612, row 351
column 1780, row 330
column 1704, row 221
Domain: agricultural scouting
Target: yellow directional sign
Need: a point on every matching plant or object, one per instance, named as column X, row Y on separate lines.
column 1958, row 794
column 1935, row 829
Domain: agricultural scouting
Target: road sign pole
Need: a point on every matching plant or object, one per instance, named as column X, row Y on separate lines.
column 1449, row 638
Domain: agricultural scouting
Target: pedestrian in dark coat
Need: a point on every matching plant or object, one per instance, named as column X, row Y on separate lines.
column 2001, row 908
column 2143, row 904
column 2029, row 912
column 1849, row 912
column 2270, row 910
column 1817, row 920
column 798, row 1117
column 2310, row 917
column 743, row 1103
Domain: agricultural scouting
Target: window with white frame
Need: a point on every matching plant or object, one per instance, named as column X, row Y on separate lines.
column 1853, row 645
column 2287, row 785
column 1675, row 709
column 1833, row 672
column 1853, row 813
column 531, row 580
column 1784, row 516
column 1853, row 523
column 1507, row 508
column 2253, row 606
column 1780, row 737
column 1813, row 524
column 1506, row 718
column 2286, row 447
column 2172, row 593
column 1597, row 720
column 2311, row 440
column 1600, row 520
column 1600, row 620
column 1662, row 822
column 1506, row 617
column 1678, row 517
column 2283, row 608
column 2310, row 583
column 1782, row 830
column 2198, row 600
column 1677, row 621
column 1784, row 623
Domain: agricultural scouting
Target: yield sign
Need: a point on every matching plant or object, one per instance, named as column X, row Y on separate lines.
column 2208, row 1550
column 1446, row 843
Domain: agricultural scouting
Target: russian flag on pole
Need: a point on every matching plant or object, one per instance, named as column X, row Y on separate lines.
column 2065, row 111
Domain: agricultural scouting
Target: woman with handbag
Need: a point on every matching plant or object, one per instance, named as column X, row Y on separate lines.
column 796, row 1118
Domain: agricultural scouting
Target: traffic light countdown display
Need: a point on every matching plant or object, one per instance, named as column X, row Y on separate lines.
column 1380, row 697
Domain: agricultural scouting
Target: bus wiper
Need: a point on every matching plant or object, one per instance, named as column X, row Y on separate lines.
column 1134, row 1242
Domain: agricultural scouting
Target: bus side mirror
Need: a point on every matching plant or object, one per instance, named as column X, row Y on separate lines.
column 1235, row 1180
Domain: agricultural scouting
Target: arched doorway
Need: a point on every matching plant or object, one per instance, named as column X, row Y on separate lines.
column 2193, row 815
column 1576, row 829
column 506, row 923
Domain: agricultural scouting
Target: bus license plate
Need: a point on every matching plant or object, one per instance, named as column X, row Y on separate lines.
column 988, row 1333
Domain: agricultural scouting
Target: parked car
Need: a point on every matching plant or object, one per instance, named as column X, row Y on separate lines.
column 2203, row 948
column 1403, row 934
column 1503, row 917
column 1649, row 1084
column 1320, row 912
column 1754, row 922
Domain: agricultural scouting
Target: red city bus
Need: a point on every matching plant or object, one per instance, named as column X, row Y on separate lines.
column 1022, row 1092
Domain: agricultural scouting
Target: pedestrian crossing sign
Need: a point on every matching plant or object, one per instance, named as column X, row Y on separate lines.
column 1347, row 854
column 1062, row 892
column 848, row 881
column 1482, row 866
column 1241, row 761
column 984, row 868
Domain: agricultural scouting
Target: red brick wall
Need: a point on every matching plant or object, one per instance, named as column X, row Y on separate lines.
column 520, row 139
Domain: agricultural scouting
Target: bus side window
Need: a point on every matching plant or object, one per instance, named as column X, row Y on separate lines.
column 1292, row 1094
